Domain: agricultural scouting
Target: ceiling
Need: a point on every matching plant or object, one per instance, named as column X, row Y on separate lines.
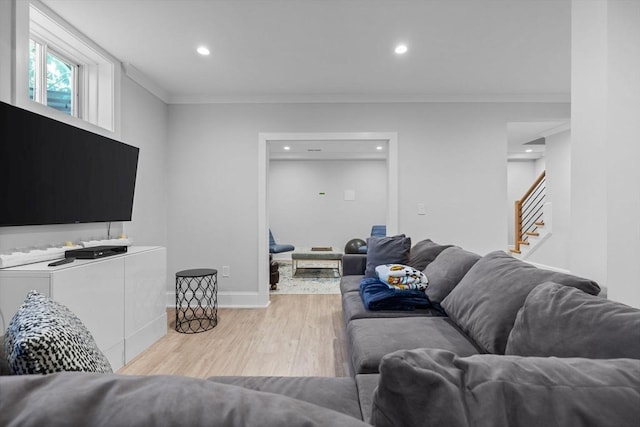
column 336, row 50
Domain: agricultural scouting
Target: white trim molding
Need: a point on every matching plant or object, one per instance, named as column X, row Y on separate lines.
column 263, row 174
column 228, row 299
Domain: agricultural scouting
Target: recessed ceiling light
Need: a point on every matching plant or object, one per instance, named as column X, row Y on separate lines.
column 529, row 150
column 379, row 147
column 401, row 49
column 286, row 147
column 202, row 50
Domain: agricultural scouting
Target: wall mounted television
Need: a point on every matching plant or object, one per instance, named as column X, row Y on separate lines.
column 55, row 173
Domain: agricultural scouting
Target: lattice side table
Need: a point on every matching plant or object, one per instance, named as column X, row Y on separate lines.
column 196, row 300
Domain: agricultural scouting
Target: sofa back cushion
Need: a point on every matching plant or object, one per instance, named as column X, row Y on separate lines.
column 4, row 365
column 446, row 271
column 437, row 387
column 386, row 250
column 559, row 321
column 89, row 399
column 486, row 301
column 424, row 253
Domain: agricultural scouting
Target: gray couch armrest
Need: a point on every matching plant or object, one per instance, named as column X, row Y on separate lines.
column 354, row 264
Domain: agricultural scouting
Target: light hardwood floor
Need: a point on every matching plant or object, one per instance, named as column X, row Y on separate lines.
column 297, row 335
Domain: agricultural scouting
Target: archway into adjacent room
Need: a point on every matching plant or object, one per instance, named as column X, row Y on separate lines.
column 264, row 142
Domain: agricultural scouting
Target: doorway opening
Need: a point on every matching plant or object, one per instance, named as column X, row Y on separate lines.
column 266, row 141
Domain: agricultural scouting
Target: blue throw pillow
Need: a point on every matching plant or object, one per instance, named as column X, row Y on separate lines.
column 386, row 250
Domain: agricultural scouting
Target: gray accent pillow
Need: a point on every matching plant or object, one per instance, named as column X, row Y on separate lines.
column 560, row 321
column 446, row 271
column 424, row 252
column 444, row 389
column 386, row 250
column 44, row 336
column 88, row 399
column 486, row 301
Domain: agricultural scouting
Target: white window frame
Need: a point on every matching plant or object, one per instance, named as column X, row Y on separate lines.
column 40, row 94
column 99, row 74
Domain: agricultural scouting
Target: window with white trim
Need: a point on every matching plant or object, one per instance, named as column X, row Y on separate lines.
column 52, row 78
column 64, row 70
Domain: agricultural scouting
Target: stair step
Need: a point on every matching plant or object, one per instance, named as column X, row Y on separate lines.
column 539, row 223
column 524, row 242
column 513, row 251
column 532, row 233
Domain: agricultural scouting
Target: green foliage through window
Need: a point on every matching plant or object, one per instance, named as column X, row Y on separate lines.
column 57, row 74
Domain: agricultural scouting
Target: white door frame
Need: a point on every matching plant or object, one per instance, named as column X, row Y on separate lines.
column 263, row 173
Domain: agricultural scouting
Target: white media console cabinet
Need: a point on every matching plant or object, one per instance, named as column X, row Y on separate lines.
column 120, row 298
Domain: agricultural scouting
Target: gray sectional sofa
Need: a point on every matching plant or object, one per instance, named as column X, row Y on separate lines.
column 503, row 344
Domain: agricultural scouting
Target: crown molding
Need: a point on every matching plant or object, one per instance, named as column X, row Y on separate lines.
column 558, row 129
column 371, row 98
column 137, row 76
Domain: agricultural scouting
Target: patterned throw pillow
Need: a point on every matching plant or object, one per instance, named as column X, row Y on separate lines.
column 45, row 337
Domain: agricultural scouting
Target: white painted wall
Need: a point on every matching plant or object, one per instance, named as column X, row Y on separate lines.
column 520, row 175
column 451, row 157
column 605, row 200
column 300, row 215
column 555, row 250
column 588, row 129
column 605, row 204
column 623, row 151
column 144, row 124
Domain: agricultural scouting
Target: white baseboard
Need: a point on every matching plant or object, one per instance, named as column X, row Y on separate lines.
column 228, row 299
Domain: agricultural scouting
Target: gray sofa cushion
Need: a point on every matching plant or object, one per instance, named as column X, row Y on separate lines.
column 89, row 399
column 353, row 308
column 560, row 321
column 366, row 384
column 424, row 252
column 354, row 264
column 446, row 271
column 369, row 340
column 337, row 393
column 495, row 391
column 487, row 299
column 350, row 284
column 386, row 250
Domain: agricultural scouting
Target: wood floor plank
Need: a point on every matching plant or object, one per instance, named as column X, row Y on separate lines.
column 297, row 335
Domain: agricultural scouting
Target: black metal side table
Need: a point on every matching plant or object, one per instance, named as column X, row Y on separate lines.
column 196, row 300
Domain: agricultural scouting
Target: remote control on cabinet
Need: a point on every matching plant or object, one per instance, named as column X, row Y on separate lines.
column 61, row 262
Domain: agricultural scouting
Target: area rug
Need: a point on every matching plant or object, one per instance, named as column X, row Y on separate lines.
column 312, row 279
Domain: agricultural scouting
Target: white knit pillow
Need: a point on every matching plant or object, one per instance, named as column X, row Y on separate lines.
column 45, row 337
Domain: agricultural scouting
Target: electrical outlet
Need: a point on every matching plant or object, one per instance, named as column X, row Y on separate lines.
column 225, row 271
column 422, row 209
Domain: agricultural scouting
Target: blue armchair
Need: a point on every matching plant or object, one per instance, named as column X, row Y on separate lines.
column 376, row 231
column 275, row 248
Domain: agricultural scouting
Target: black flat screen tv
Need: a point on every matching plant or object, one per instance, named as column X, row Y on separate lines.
column 55, row 173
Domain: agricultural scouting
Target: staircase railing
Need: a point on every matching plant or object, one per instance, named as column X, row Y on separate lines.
column 528, row 212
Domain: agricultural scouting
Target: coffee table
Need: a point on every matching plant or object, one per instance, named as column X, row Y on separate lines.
column 316, row 254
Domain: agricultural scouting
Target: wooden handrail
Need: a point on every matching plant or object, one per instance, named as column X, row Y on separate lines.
column 518, row 225
column 518, row 212
column 533, row 187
